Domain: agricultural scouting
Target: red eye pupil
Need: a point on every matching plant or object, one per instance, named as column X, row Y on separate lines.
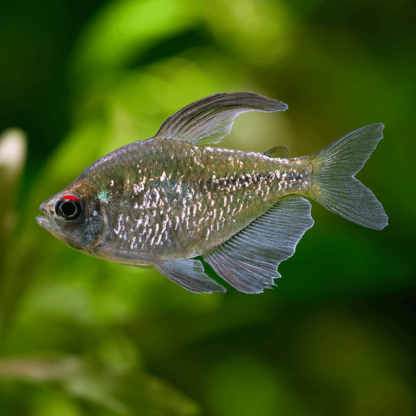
column 71, row 198
column 68, row 208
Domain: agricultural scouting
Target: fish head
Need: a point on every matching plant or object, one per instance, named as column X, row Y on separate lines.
column 75, row 216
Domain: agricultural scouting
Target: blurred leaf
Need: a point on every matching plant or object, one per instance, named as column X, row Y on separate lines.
column 258, row 31
column 13, row 150
column 124, row 29
column 146, row 394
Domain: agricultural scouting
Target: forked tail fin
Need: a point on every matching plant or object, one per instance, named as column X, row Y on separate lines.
column 335, row 186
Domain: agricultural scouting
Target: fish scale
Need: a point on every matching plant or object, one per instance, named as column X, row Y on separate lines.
column 180, row 208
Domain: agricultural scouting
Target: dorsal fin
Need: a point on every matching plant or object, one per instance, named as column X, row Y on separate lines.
column 210, row 119
column 281, row 152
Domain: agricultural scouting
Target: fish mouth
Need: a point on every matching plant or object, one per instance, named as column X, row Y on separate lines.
column 42, row 220
column 43, row 207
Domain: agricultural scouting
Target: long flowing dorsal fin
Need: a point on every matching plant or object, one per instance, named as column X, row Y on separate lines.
column 281, row 152
column 249, row 260
column 210, row 119
column 189, row 274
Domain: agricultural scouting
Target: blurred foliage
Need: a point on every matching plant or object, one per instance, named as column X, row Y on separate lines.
column 80, row 336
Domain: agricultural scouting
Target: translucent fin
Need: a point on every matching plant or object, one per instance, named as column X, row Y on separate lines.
column 249, row 260
column 281, row 152
column 189, row 274
column 334, row 184
column 210, row 119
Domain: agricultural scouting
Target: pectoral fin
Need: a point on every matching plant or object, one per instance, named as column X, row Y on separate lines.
column 210, row 119
column 249, row 260
column 189, row 274
column 281, row 152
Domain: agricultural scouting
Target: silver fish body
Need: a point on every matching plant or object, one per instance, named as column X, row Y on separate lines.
column 165, row 200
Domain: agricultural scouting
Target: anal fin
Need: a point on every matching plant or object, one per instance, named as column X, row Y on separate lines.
column 249, row 260
column 189, row 274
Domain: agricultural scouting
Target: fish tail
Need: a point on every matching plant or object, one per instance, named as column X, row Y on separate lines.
column 334, row 185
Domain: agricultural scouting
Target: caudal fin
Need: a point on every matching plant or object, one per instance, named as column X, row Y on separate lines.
column 335, row 186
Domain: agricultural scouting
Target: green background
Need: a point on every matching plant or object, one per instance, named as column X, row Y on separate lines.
column 80, row 336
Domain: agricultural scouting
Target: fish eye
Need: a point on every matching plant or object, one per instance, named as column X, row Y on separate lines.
column 68, row 208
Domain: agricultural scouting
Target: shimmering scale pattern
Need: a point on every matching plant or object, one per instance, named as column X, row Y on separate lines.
column 169, row 199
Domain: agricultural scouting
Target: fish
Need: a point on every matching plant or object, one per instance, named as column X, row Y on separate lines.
column 163, row 201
